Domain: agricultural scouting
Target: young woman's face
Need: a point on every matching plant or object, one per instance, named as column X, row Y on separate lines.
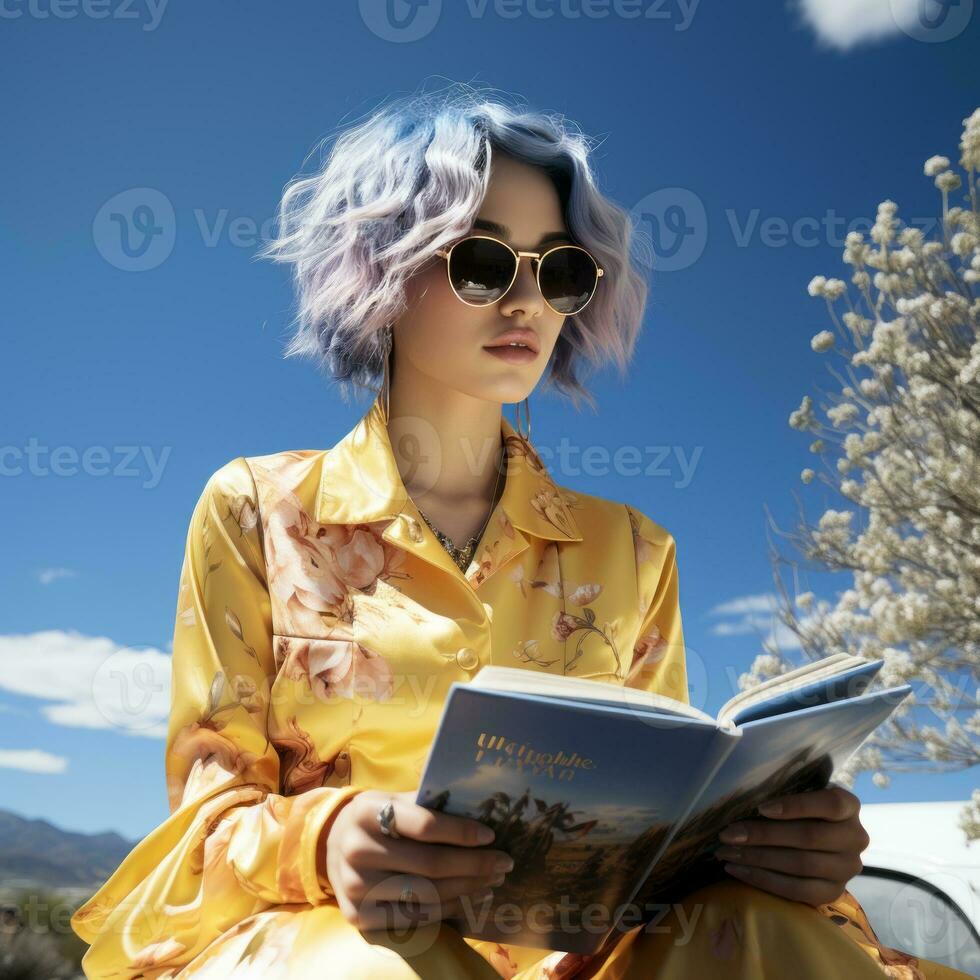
column 444, row 339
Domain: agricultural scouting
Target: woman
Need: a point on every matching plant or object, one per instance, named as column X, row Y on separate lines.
column 328, row 598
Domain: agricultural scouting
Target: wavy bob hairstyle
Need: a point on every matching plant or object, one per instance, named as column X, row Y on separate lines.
column 409, row 179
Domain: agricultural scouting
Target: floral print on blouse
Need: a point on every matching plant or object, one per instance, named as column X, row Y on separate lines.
column 319, row 625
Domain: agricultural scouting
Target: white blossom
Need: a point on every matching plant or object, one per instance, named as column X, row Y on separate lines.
column 843, row 413
column 970, row 142
column 948, row 181
column 816, row 286
column 765, row 666
column 899, row 440
column 963, row 243
column 803, row 417
column 970, row 818
column 822, row 341
column 834, row 289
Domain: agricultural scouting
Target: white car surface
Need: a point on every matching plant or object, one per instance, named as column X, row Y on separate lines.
column 921, row 882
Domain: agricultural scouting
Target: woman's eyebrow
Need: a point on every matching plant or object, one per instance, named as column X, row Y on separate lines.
column 484, row 224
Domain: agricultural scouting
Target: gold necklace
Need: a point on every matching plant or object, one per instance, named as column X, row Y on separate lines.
column 463, row 556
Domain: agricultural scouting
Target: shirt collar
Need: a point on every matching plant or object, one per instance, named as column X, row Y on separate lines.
column 360, row 483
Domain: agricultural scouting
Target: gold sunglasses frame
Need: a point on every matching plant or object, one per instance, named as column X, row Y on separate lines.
column 445, row 253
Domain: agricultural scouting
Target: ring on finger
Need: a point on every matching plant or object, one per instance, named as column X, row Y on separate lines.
column 386, row 819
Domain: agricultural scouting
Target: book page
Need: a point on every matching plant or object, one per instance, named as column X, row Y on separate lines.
column 522, row 681
column 821, row 690
column 776, row 756
column 580, row 795
column 827, row 667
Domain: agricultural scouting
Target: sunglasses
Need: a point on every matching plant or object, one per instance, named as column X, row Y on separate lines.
column 482, row 269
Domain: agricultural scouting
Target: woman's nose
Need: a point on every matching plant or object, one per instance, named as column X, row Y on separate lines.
column 524, row 293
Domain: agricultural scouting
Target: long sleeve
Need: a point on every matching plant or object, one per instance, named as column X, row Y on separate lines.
column 232, row 845
column 659, row 661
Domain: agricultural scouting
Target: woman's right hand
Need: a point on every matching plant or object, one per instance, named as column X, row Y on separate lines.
column 438, row 856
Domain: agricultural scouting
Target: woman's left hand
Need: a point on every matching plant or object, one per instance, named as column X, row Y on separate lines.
column 808, row 851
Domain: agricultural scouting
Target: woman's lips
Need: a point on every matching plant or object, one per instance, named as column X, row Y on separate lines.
column 512, row 355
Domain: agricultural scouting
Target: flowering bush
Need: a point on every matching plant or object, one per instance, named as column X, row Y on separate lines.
column 900, row 444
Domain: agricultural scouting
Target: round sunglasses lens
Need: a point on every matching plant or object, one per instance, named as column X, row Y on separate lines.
column 568, row 279
column 480, row 270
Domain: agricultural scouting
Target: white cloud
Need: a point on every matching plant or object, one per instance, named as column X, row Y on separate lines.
column 32, row 760
column 737, row 627
column 89, row 681
column 755, row 614
column 761, row 602
column 48, row 575
column 843, row 24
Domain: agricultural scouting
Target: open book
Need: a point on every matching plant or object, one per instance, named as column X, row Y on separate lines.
column 611, row 799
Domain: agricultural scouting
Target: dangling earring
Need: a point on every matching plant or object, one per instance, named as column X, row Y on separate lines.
column 386, row 344
column 526, row 436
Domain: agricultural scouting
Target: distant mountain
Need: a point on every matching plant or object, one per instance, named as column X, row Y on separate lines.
column 38, row 851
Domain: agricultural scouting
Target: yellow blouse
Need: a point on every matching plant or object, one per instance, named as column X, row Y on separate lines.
column 319, row 625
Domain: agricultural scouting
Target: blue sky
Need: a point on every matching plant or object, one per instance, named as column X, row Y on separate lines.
column 771, row 125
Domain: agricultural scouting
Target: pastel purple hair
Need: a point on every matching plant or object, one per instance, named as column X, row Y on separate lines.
column 409, row 179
